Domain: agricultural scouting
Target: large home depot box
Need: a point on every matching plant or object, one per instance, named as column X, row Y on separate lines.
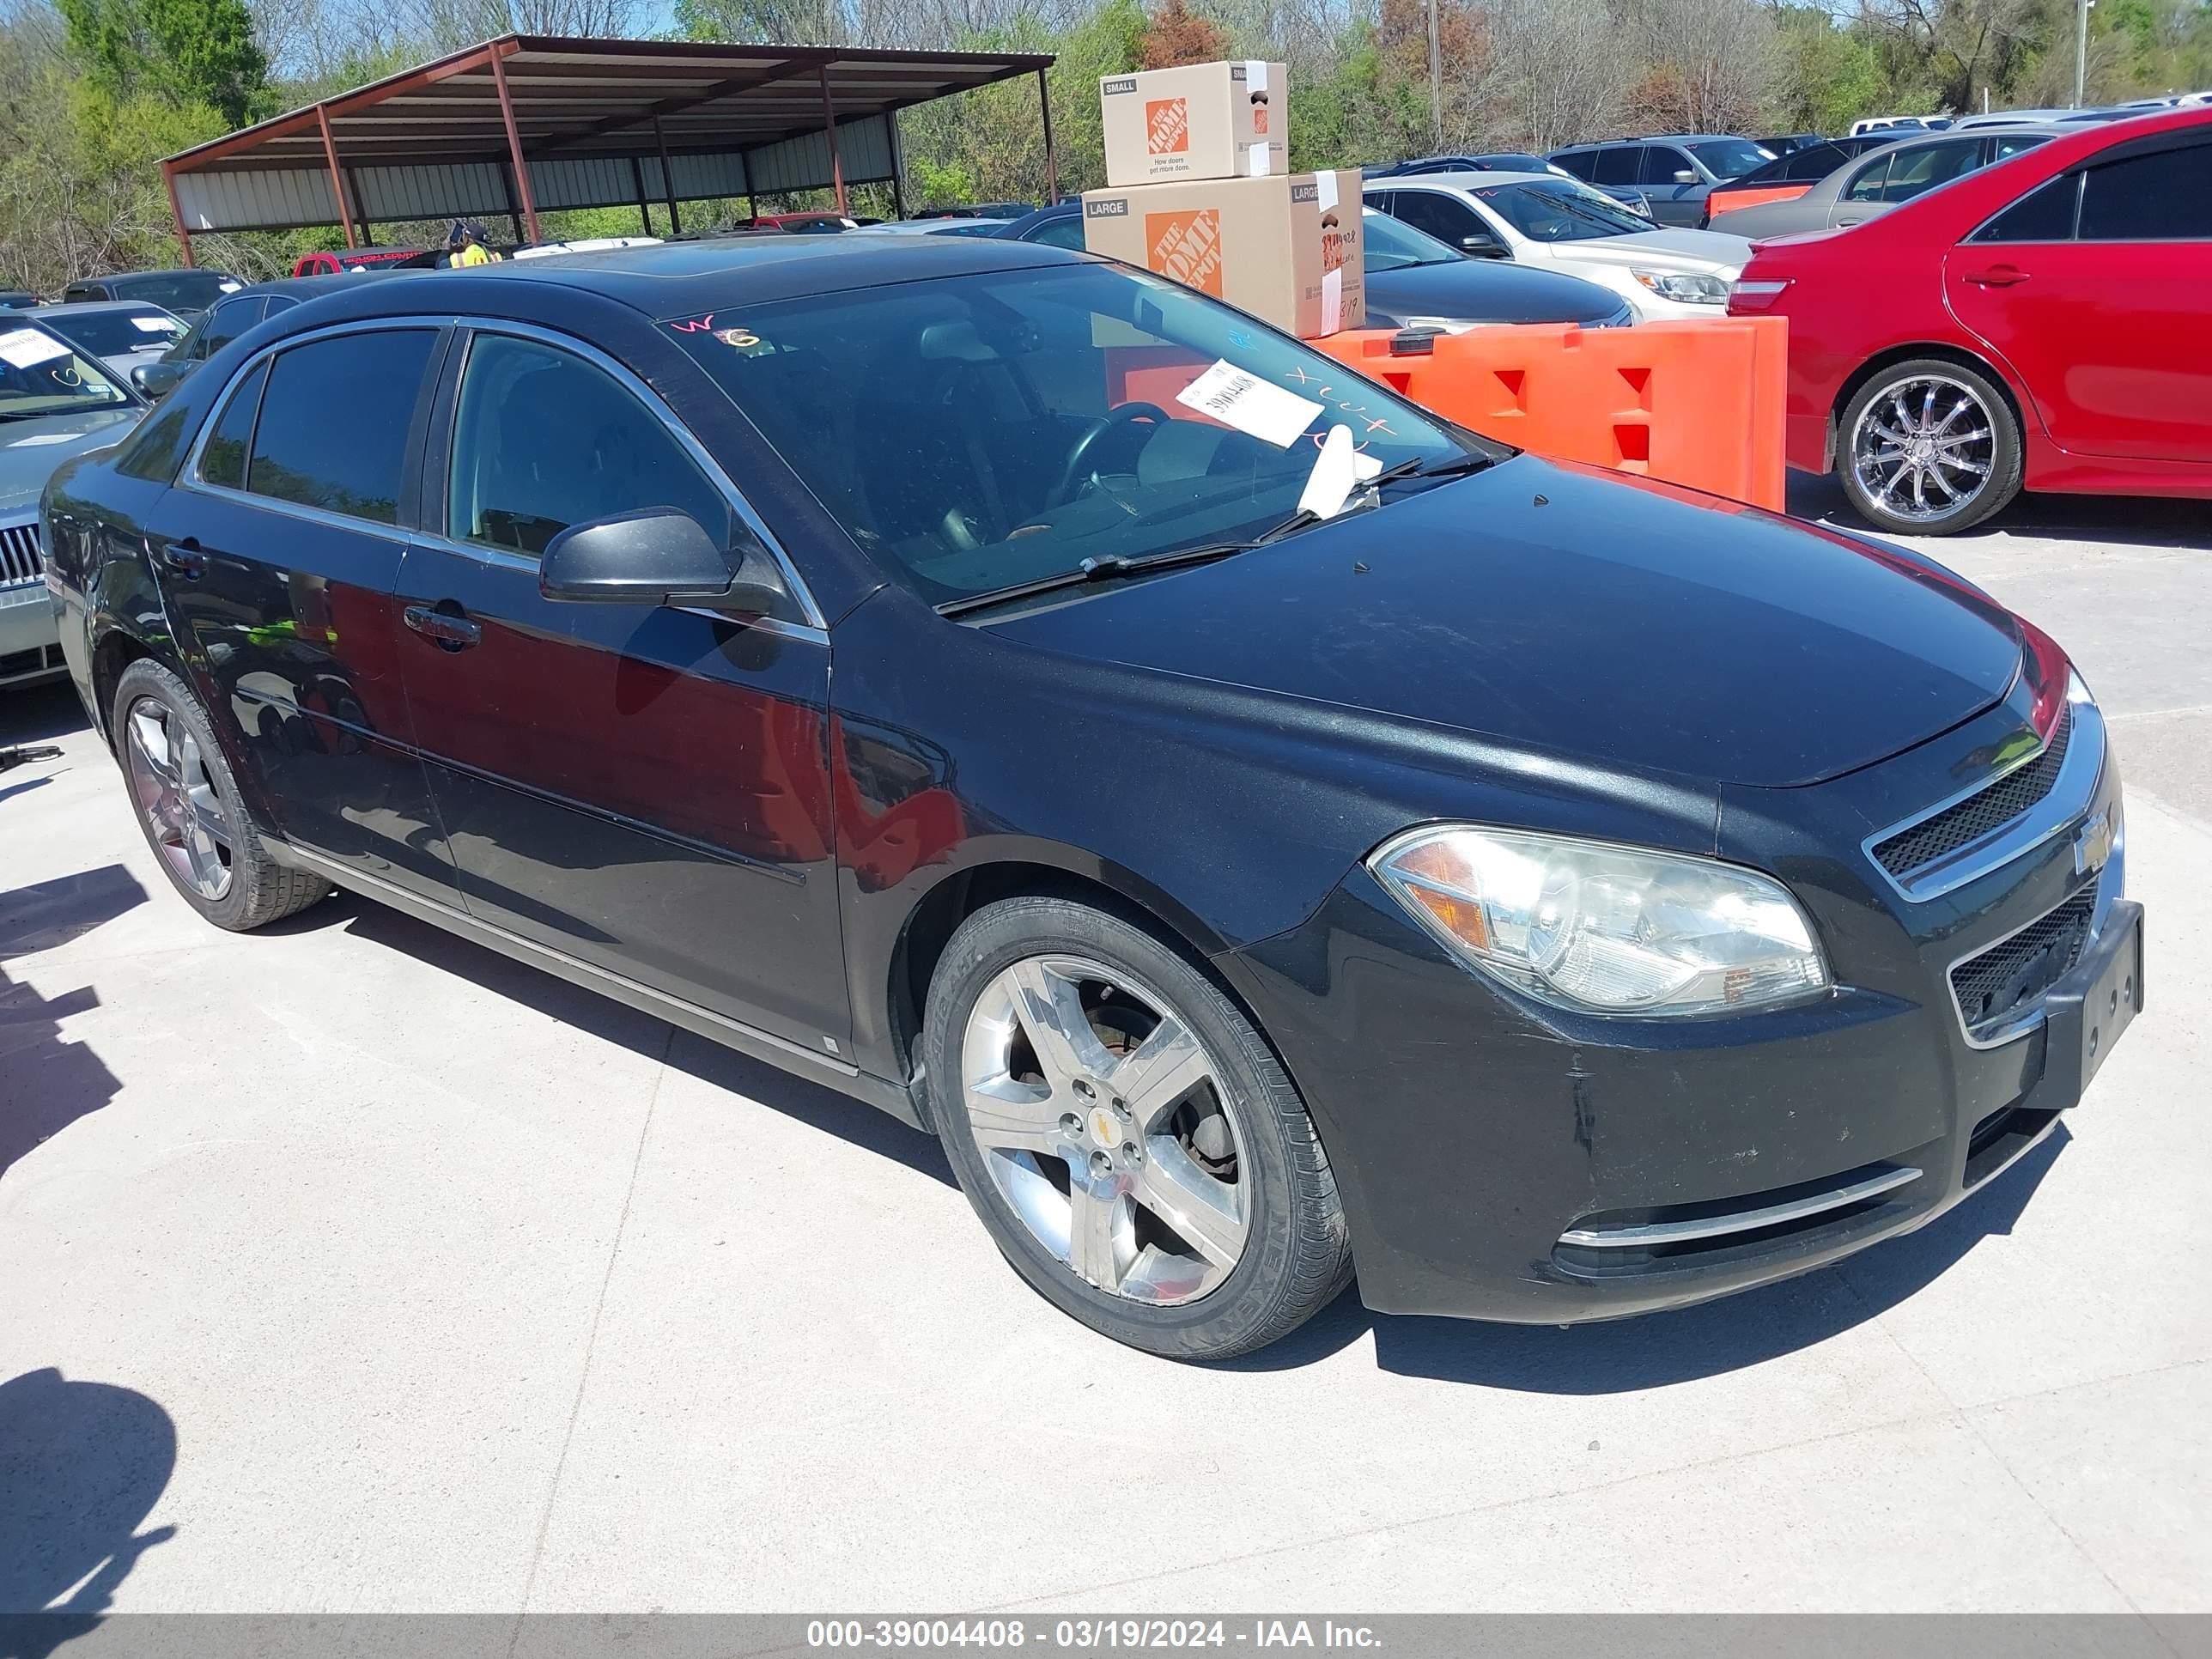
column 1201, row 121
column 1287, row 250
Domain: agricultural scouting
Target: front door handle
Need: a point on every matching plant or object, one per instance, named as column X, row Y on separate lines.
column 444, row 630
column 186, row 558
column 1997, row 276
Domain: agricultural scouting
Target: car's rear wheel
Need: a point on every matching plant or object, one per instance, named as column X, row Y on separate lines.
column 1126, row 1136
column 188, row 807
column 1928, row 448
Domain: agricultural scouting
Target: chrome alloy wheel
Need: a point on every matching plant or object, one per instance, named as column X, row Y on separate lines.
column 1106, row 1128
column 1924, row 449
column 169, row 781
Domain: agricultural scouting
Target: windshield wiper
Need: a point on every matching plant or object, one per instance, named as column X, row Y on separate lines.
column 1457, row 466
column 1112, row 566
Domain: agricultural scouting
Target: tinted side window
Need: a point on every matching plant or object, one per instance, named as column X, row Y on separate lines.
column 2043, row 215
column 1661, row 162
column 1059, row 233
column 334, row 423
column 542, row 440
column 1450, row 222
column 1920, row 171
column 1582, row 163
column 225, row 324
column 1865, row 184
column 1618, row 164
column 1815, row 162
column 2008, row 144
column 2166, row 197
column 223, row 461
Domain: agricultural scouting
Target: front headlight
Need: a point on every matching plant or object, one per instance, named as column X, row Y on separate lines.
column 1687, row 286
column 1604, row 929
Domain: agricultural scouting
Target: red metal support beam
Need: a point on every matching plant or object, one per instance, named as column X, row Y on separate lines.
column 514, row 144
column 337, row 182
column 1051, row 161
column 830, row 126
column 667, row 180
column 183, row 233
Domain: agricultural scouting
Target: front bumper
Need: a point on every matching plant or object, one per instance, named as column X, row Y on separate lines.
column 1501, row 1160
column 30, row 642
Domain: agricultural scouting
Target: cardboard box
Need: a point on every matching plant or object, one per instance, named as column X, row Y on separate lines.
column 1201, row 121
column 1288, row 250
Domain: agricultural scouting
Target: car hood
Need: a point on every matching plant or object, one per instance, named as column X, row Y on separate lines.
column 1707, row 251
column 1568, row 612
column 31, row 450
column 1475, row 291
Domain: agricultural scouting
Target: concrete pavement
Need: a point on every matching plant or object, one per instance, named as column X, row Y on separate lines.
column 348, row 1267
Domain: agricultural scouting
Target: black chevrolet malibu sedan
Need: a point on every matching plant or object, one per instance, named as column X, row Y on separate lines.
column 1261, row 830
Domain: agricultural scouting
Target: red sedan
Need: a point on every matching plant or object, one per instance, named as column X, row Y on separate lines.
column 2044, row 323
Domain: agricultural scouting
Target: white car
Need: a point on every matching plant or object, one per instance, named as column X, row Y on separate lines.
column 1549, row 223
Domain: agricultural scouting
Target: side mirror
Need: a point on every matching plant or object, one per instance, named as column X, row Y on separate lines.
column 1481, row 247
column 1684, row 176
column 657, row 556
column 156, row 380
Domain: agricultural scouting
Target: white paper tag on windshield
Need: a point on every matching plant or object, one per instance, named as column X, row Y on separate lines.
column 25, row 348
column 1337, row 472
column 1237, row 397
column 151, row 325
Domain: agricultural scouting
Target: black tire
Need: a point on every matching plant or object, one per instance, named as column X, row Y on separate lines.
column 1296, row 1256
column 1998, row 486
column 261, row 891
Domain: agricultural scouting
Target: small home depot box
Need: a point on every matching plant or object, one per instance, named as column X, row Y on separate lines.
column 1201, row 121
column 1287, row 250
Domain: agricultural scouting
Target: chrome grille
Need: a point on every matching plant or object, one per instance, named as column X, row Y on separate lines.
column 1994, row 988
column 1969, row 820
column 19, row 554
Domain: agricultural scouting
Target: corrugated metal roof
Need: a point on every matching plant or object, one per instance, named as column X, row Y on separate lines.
column 432, row 141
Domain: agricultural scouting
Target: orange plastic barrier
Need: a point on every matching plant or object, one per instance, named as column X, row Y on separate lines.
column 1697, row 403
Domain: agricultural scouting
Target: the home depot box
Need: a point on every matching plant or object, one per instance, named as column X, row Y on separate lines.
column 1201, row 121
column 1285, row 249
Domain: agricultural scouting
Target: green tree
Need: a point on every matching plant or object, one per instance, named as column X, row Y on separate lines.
column 186, row 53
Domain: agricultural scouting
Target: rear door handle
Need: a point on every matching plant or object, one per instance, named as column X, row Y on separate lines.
column 186, row 558
column 1997, row 276
column 449, row 632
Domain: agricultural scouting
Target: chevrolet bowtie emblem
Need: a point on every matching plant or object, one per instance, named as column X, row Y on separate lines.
column 2093, row 843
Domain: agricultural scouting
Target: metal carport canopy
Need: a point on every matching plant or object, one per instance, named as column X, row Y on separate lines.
column 526, row 122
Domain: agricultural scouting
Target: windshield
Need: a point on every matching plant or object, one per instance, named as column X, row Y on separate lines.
column 1394, row 246
column 1562, row 210
column 178, row 291
column 1730, row 158
column 975, row 432
column 39, row 374
column 112, row 333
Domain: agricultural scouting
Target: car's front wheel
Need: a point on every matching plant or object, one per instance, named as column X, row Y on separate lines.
column 1928, row 448
column 1126, row 1136
column 188, row 805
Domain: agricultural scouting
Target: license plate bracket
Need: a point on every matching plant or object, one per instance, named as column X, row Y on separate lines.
column 2085, row 1015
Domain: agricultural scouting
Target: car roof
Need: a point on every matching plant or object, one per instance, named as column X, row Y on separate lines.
column 682, row 279
column 164, row 271
column 1466, row 180
column 90, row 307
column 1655, row 138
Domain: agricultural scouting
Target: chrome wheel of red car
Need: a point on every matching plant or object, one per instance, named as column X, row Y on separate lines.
column 1928, row 447
column 1922, row 448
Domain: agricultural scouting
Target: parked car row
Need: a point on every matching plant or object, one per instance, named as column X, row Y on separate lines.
column 876, row 654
